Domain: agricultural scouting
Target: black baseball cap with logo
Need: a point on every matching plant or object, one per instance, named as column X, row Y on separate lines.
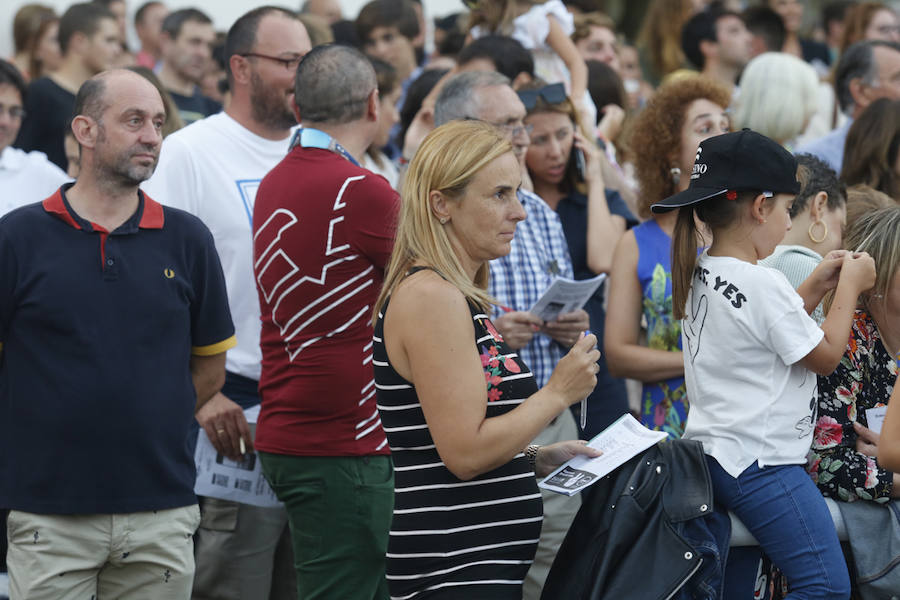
column 738, row 161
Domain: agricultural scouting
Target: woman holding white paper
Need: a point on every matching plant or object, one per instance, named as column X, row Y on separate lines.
column 457, row 404
column 565, row 169
column 844, row 461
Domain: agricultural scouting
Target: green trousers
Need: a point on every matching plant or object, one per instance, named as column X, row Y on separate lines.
column 339, row 510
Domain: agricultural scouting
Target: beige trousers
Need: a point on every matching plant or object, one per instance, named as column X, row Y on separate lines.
column 559, row 511
column 132, row 556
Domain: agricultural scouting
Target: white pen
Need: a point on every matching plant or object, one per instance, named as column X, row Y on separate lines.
column 584, row 403
column 583, row 413
column 243, row 446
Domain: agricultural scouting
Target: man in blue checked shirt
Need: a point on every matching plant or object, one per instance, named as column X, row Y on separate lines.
column 539, row 254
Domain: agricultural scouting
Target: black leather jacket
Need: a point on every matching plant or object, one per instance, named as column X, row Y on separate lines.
column 646, row 531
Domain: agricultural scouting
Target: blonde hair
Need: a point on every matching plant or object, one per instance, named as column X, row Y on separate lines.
column 447, row 161
column 767, row 81
column 878, row 233
column 863, row 199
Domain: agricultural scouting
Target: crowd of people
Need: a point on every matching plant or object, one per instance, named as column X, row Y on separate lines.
column 315, row 244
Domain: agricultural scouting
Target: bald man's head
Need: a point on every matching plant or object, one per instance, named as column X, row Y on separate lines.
column 118, row 123
column 92, row 99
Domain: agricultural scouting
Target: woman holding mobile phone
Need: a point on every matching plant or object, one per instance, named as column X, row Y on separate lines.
column 565, row 170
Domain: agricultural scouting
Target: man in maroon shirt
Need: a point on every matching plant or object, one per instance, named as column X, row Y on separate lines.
column 323, row 233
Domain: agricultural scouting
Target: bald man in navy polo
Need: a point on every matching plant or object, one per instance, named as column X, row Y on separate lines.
column 114, row 325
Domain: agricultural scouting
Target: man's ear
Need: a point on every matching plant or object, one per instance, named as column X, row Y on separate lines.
column 86, row 131
column 165, row 43
column 372, row 107
column 240, row 68
column 77, row 43
column 857, row 89
column 709, row 48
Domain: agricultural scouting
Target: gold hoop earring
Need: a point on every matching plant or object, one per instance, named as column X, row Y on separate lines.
column 809, row 232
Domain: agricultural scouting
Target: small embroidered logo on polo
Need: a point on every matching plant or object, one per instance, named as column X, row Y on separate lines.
column 169, row 273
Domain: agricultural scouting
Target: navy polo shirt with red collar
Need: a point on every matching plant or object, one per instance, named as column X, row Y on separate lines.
column 97, row 331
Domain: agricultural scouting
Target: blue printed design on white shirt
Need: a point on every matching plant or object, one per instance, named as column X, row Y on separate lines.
column 247, row 189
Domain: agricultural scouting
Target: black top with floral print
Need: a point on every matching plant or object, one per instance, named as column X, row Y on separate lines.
column 864, row 379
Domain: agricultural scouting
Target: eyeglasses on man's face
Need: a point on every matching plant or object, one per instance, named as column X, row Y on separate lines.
column 514, row 129
column 289, row 63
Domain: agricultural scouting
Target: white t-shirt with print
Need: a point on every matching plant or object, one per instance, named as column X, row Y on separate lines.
column 212, row 169
column 744, row 333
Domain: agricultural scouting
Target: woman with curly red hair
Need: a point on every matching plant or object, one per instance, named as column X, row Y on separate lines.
column 665, row 137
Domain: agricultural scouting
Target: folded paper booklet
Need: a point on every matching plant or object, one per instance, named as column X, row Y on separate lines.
column 240, row 481
column 619, row 442
column 565, row 295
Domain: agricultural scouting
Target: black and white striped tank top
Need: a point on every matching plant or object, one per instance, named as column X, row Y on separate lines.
column 452, row 538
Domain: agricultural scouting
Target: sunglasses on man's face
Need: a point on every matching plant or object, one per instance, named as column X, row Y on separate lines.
column 555, row 93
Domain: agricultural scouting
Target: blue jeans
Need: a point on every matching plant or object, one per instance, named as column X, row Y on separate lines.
column 787, row 515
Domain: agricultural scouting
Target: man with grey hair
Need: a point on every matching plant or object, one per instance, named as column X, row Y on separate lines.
column 323, row 235
column 538, row 255
column 866, row 71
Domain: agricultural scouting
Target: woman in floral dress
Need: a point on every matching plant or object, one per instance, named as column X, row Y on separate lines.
column 843, row 461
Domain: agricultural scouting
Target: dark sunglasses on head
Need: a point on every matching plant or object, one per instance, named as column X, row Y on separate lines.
column 555, row 93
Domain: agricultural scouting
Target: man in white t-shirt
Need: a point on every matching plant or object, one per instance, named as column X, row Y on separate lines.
column 25, row 177
column 212, row 169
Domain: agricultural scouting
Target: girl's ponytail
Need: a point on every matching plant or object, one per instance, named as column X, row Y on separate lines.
column 684, row 259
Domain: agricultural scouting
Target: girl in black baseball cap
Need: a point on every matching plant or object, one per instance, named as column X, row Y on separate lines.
column 749, row 346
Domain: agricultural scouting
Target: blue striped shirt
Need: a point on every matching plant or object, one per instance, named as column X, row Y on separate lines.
column 539, row 254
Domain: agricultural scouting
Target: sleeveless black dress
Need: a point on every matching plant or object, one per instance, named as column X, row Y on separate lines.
column 452, row 538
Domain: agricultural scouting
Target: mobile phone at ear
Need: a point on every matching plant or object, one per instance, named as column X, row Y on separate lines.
column 579, row 163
